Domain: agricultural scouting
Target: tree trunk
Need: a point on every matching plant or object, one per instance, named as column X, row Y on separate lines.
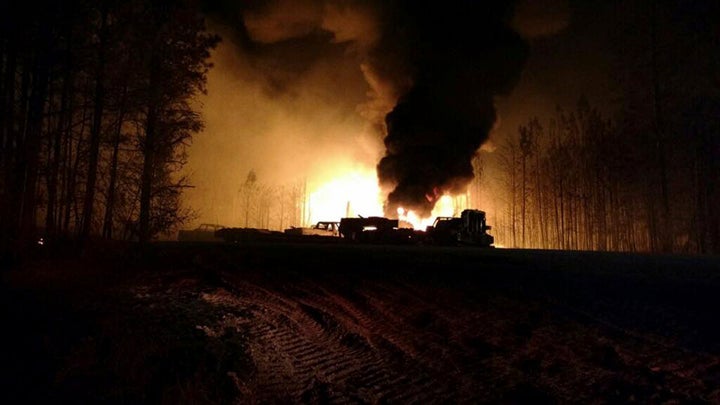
column 17, row 169
column 665, row 231
column 539, row 202
column 149, row 151
column 65, row 116
column 523, row 196
column 31, row 158
column 110, row 205
column 147, row 173
column 72, row 170
column 7, row 149
column 561, row 216
column 99, row 99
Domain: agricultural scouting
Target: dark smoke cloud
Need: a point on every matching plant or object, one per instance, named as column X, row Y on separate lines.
column 459, row 57
column 433, row 71
column 541, row 18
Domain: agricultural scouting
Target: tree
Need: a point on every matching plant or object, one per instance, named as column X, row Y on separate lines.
column 95, row 108
column 509, row 164
column 526, row 144
column 98, row 110
column 247, row 194
column 175, row 34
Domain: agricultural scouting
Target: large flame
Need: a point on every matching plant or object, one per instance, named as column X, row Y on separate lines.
column 354, row 191
column 445, row 207
column 349, row 193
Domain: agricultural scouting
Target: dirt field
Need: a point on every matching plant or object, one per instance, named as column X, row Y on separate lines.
column 314, row 323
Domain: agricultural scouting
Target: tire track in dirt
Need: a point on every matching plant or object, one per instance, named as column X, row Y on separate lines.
column 409, row 343
column 324, row 339
column 305, row 337
column 655, row 359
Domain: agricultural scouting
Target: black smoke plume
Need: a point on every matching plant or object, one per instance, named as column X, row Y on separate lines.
column 458, row 56
column 433, row 69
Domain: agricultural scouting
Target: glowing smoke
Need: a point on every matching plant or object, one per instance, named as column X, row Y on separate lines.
column 301, row 86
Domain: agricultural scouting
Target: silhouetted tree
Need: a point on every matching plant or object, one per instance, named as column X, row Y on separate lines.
column 177, row 34
column 95, row 110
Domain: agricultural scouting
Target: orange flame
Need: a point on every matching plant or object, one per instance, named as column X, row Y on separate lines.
column 443, row 208
column 354, row 191
column 350, row 193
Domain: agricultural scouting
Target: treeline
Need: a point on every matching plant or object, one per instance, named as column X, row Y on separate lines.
column 96, row 109
column 644, row 174
column 581, row 181
column 263, row 205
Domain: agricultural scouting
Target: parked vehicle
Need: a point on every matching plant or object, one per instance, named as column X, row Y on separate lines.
column 322, row 228
column 203, row 233
column 468, row 229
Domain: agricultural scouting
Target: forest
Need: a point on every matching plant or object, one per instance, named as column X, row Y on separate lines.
column 637, row 173
column 97, row 112
column 579, row 181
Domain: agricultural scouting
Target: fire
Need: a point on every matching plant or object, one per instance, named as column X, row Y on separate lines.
column 352, row 193
column 443, row 208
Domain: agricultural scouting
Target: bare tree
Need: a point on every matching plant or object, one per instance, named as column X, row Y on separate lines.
column 509, row 156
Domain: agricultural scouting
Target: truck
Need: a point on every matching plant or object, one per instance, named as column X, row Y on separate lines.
column 376, row 230
column 322, row 228
column 243, row 235
column 470, row 229
column 321, row 232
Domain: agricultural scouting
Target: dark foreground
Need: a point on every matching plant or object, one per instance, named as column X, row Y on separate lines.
column 312, row 323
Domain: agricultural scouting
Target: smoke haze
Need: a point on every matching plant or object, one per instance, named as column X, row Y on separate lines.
column 289, row 122
column 302, row 88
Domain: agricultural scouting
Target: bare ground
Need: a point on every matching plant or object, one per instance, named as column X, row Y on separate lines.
column 314, row 323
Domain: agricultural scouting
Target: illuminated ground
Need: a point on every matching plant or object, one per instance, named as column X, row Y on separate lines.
column 361, row 324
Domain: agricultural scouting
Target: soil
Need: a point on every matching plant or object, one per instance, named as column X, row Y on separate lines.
column 318, row 323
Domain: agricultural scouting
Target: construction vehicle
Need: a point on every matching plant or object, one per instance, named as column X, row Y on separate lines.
column 468, row 229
